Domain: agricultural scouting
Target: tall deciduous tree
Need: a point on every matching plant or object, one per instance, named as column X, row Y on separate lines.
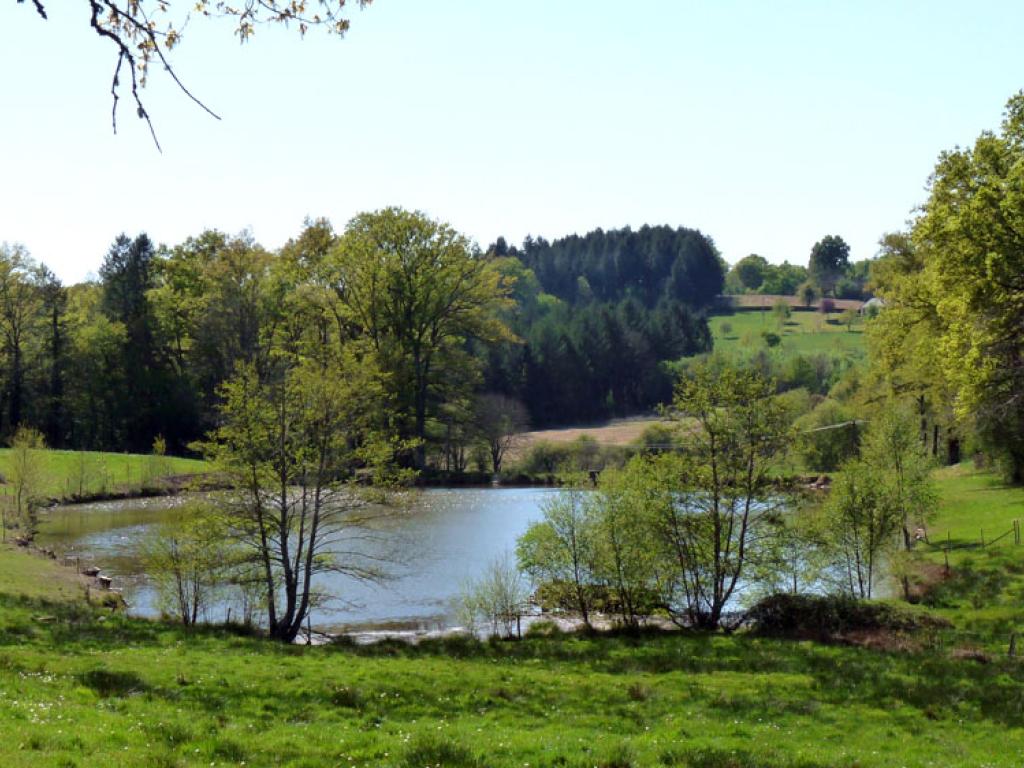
column 830, row 257
column 499, row 421
column 894, row 449
column 971, row 237
column 20, row 317
column 418, row 290
column 954, row 296
column 292, row 441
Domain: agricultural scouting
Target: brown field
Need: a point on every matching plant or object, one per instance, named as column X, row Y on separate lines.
column 767, row 301
column 615, row 432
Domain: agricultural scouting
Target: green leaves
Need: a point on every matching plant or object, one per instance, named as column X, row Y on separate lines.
column 417, row 290
column 956, row 292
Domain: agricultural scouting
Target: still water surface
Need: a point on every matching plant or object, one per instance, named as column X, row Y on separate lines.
column 445, row 538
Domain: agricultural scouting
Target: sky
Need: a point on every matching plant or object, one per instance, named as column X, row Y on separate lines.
column 765, row 125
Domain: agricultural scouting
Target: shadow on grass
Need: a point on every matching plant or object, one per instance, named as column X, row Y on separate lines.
column 935, row 685
column 927, row 684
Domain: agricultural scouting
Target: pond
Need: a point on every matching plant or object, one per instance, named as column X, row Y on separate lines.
column 447, row 537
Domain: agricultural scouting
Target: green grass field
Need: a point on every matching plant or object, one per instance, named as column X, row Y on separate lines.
column 81, row 687
column 803, row 333
column 983, row 594
column 75, row 691
column 76, row 473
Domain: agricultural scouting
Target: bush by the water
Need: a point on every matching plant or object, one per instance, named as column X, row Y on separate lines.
column 581, row 455
column 830, row 617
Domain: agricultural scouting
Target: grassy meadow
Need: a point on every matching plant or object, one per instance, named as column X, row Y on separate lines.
column 802, row 333
column 67, row 474
column 80, row 687
column 983, row 591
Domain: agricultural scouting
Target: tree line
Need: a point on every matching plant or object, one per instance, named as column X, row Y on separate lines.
column 141, row 351
column 601, row 316
column 699, row 533
column 829, row 273
column 950, row 337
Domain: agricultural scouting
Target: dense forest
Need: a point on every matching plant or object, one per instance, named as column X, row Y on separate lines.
column 575, row 330
column 598, row 316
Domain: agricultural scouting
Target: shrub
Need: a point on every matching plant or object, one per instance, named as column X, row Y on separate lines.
column 107, row 684
column 346, row 697
column 582, row 454
column 658, row 438
column 543, row 628
column 829, row 617
column 823, row 445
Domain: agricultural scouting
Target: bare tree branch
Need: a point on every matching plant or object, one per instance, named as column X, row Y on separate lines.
column 138, row 40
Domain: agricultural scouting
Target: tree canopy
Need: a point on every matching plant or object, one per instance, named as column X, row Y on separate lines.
column 830, row 257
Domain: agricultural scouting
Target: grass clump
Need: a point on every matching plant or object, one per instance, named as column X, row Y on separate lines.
column 429, row 750
column 109, row 684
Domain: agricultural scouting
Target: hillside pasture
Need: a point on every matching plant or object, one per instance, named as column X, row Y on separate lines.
column 802, row 333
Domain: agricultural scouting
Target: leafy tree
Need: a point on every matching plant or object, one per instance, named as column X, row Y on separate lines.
column 26, row 479
column 292, row 442
column 416, row 288
column 782, row 312
column 894, row 449
column 750, row 272
column 212, row 308
column 560, row 550
column 95, row 371
column 969, row 240
column 849, row 318
column 783, row 279
column 827, row 436
column 21, row 304
column 498, row 597
column 830, row 257
column 55, row 417
column 188, row 560
column 736, row 430
column 807, row 294
column 862, row 524
column 625, row 559
column 499, row 421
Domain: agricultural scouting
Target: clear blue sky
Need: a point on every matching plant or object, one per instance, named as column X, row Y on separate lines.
column 766, row 125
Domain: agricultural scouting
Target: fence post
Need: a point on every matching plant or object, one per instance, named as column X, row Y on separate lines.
column 983, row 537
column 946, row 553
column 1013, row 645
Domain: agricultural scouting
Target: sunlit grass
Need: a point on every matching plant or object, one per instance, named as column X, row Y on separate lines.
column 75, row 473
column 802, row 333
column 79, row 691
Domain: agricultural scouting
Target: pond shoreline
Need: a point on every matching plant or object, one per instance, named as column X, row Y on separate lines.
column 172, row 485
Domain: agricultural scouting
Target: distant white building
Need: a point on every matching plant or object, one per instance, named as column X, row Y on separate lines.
column 871, row 306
